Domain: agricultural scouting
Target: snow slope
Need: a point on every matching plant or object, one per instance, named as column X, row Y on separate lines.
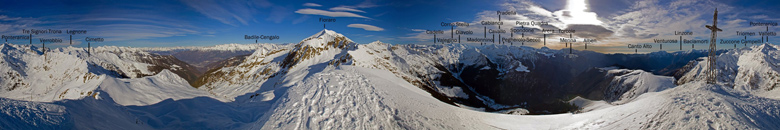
column 355, row 97
column 30, row 75
column 232, row 81
column 32, row 115
column 71, row 73
column 428, row 66
column 312, row 54
column 150, row 90
column 361, row 98
column 690, row 106
column 493, row 76
column 328, row 100
column 626, row 84
column 86, row 113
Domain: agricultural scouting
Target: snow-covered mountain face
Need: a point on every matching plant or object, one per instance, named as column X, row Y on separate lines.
column 627, row 85
column 72, row 73
column 241, row 75
column 491, row 77
column 496, row 77
column 753, row 69
column 327, row 81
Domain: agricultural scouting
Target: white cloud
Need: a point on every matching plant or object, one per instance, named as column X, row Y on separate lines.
column 366, row 27
column 312, row 5
column 300, row 19
column 540, row 11
column 137, row 31
column 419, row 36
column 229, row 12
column 367, row 4
column 329, row 13
column 526, row 11
column 418, row 30
column 10, row 25
column 346, row 9
column 6, row 18
column 278, row 14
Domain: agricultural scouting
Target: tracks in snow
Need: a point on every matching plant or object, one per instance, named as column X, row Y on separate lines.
column 333, row 100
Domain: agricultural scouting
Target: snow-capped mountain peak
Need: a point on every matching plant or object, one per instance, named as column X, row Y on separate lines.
column 754, row 68
column 326, row 43
column 324, row 38
column 325, row 33
column 377, row 42
column 324, row 47
column 766, row 47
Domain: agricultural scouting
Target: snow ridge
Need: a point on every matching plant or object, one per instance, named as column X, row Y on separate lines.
column 753, row 69
column 629, row 84
column 69, row 72
column 151, row 89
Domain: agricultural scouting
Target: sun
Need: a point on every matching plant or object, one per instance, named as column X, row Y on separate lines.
column 576, row 5
column 575, row 13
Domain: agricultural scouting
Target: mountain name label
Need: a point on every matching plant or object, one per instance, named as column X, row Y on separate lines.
column 264, row 37
column 327, row 20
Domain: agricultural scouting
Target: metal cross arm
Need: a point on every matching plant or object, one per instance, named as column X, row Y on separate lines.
column 713, row 28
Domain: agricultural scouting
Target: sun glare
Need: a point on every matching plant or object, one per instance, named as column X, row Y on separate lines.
column 575, row 13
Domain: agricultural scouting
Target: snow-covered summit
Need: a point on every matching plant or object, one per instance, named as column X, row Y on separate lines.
column 324, row 38
column 325, row 44
column 377, row 42
column 324, row 47
column 755, row 68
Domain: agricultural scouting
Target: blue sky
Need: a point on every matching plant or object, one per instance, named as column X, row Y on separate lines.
column 164, row 23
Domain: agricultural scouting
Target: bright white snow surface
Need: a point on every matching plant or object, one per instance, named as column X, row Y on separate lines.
column 366, row 95
column 69, row 73
column 690, row 106
column 150, row 90
column 361, row 98
column 632, row 83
